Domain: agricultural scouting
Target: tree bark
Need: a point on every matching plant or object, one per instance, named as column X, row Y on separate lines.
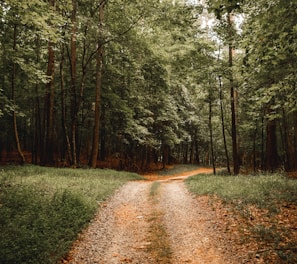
column 286, row 139
column 14, row 114
column 74, row 101
column 271, row 147
column 48, row 150
column 63, row 106
column 99, row 68
column 49, row 102
column 210, row 130
column 294, row 154
column 223, row 125
column 233, row 108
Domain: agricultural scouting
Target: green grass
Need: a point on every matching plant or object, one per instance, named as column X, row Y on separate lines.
column 265, row 191
column 43, row 209
column 159, row 246
column 154, row 189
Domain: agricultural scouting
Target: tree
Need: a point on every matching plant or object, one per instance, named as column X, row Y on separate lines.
column 49, row 142
column 269, row 70
column 224, row 10
column 99, row 67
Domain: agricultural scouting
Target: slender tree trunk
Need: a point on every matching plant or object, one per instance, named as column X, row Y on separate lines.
column 262, row 143
column 192, row 152
column 49, row 101
column 103, row 136
column 37, row 133
column 286, row 140
column 36, row 144
column 271, row 147
column 186, row 151
column 233, row 109
column 211, row 131
column 63, row 106
column 165, row 155
column 99, row 63
column 254, row 151
column 14, row 114
column 294, row 154
column 197, row 154
column 74, row 100
column 223, row 125
column 48, row 151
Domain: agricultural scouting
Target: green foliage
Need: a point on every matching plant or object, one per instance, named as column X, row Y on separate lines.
column 43, row 209
column 159, row 68
column 270, row 55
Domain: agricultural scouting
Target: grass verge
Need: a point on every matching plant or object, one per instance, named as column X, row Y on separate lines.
column 43, row 209
column 265, row 191
column 266, row 206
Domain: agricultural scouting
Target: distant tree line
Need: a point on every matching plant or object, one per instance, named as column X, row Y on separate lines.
column 126, row 84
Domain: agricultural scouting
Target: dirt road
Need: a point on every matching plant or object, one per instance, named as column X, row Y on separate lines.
column 151, row 222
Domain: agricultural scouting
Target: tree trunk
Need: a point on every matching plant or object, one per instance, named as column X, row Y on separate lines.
column 37, row 120
column 14, row 114
column 49, row 102
column 48, row 150
column 211, row 131
column 233, row 109
column 185, row 154
column 197, row 154
column 271, row 147
column 74, row 106
column 36, row 149
column 294, row 158
column 262, row 143
column 63, row 106
column 99, row 62
column 165, row 155
column 286, row 140
column 223, row 125
column 254, row 151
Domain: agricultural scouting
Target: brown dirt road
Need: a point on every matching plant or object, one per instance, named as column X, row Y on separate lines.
column 169, row 226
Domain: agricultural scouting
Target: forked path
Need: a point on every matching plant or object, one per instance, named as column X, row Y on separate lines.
column 124, row 230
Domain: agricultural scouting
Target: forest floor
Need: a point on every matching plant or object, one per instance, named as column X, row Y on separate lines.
column 159, row 221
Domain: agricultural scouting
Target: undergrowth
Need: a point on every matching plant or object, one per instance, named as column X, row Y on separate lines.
column 43, row 209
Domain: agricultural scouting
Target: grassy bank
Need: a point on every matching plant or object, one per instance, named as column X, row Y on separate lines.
column 263, row 209
column 43, row 209
column 265, row 191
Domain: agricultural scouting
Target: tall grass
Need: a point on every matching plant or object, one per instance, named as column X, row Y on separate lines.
column 43, row 209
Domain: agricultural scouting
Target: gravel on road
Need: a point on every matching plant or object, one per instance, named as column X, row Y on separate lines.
column 122, row 230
